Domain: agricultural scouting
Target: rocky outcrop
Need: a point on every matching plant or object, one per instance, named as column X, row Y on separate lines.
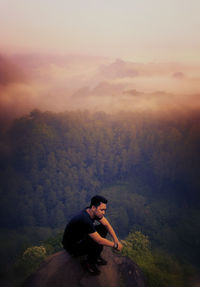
column 61, row 270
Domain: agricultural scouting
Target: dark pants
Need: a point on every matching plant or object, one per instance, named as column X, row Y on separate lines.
column 88, row 246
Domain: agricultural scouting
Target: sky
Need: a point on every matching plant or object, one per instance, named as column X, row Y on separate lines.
column 135, row 30
column 106, row 55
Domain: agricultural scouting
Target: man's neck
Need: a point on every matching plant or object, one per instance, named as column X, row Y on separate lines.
column 89, row 211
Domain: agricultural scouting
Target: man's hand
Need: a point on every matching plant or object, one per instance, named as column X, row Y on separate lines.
column 120, row 246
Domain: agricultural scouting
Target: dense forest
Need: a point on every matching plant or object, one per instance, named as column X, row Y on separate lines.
column 147, row 166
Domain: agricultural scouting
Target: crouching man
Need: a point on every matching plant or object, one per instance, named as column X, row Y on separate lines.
column 82, row 237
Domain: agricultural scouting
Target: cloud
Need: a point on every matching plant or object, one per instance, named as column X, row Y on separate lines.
column 133, row 93
column 178, row 75
column 119, row 69
column 10, row 72
column 66, row 82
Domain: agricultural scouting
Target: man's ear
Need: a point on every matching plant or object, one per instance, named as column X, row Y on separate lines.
column 93, row 208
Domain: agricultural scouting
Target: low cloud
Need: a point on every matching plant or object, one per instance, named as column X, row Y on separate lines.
column 10, row 72
column 59, row 83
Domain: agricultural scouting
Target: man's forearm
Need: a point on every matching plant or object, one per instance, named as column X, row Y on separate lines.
column 105, row 242
column 111, row 231
column 101, row 240
column 116, row 244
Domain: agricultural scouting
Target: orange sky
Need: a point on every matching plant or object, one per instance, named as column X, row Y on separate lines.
column 59, row 55
column 144, row 30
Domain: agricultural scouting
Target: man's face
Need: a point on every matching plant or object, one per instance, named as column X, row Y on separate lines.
column 100, row 210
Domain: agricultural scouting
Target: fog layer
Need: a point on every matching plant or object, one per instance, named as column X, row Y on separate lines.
column 69, row 82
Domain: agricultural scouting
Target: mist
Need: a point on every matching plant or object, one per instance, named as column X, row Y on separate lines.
column 69, row 82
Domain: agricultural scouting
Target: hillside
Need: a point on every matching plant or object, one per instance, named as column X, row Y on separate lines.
column 147, row 165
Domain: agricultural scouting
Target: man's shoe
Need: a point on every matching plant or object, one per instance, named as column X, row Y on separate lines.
column 91, row 268
column 101, row 261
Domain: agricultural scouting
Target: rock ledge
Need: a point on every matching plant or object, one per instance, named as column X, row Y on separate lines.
column 61, row 270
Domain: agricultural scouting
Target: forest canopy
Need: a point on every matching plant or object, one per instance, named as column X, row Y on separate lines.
column 147, row 166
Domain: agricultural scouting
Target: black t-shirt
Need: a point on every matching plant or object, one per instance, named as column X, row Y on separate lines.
column 78, row 229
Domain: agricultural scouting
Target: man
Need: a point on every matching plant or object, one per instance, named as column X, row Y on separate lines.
column 82, row 237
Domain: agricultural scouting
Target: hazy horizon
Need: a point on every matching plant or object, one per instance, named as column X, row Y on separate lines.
column 70, row 82
column 99, row 55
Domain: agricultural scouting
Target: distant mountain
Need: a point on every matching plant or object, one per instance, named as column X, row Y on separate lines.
column 69, row 82
column 119, row 69
column 127, row 69
column 101, row 90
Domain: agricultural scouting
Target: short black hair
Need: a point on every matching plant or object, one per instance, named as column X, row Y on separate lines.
column 97, row 200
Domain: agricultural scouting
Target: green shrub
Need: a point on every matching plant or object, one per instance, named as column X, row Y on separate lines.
column 30, row 260
column 159, row 268
column 53, row 244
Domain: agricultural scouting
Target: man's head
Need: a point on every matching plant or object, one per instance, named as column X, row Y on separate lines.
column 98, row 206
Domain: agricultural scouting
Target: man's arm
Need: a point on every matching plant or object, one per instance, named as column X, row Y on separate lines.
column 105, row 222
column 103, row 241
